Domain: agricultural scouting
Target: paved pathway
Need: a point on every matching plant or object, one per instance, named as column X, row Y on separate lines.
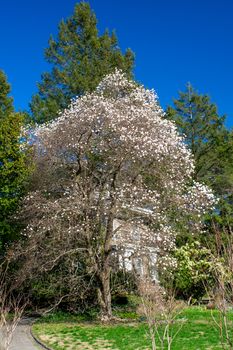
column 22, row 339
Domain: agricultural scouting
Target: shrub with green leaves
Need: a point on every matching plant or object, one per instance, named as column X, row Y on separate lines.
column 194, row 272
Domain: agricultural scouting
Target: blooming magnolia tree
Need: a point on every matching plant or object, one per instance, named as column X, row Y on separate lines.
column 110, row 155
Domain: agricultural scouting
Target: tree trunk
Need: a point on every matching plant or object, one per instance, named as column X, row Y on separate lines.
column 104, row 291
column 104, row 295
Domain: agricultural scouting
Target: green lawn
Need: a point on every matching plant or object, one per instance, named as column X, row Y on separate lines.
column 197, row 333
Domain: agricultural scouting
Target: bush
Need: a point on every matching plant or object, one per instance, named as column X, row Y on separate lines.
column 194, row 272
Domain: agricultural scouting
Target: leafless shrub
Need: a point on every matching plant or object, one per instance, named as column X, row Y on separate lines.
column 222, row 294
column 161, row 309
column 12, row 307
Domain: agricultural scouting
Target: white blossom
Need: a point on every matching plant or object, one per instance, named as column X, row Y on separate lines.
column 119, row 157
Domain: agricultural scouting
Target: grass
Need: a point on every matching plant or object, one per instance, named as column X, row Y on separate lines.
column 62, row 333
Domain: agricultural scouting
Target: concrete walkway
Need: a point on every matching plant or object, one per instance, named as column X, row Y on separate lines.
column 22, row 339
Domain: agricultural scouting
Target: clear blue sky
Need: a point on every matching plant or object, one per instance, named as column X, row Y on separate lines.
column 175, row 41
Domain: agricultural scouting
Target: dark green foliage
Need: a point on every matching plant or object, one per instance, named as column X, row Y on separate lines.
column 197, row 118
column 80, row 57
column 123, row 283
column 6, row 102
column 13, row 162
column 55, row 289
column 212, row 146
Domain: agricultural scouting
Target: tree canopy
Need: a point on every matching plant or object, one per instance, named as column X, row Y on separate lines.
column 210, row 142
column 108, row 163
column 6, row 102
column 80, row 58
column 13, row 161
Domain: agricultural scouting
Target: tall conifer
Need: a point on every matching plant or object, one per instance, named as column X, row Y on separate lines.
column 80, row 57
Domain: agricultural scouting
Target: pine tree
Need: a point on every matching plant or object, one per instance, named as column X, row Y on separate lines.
column 80, row 58
column 6, row 102
column 198, row 119
column 13, row 167
column 210, row 141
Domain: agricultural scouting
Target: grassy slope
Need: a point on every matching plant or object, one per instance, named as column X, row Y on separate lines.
column 197, row 333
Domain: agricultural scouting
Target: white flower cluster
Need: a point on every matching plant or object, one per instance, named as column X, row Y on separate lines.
column 118, row 157
column 199, row 199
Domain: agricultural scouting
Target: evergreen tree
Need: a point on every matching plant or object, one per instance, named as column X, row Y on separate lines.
column 13, row 167
column 198, row 119
column 211, row 144
column 6, row 102
column 80, row 58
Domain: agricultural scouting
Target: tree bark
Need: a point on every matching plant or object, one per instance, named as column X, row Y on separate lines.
column 104, row 295
column 104, row 290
